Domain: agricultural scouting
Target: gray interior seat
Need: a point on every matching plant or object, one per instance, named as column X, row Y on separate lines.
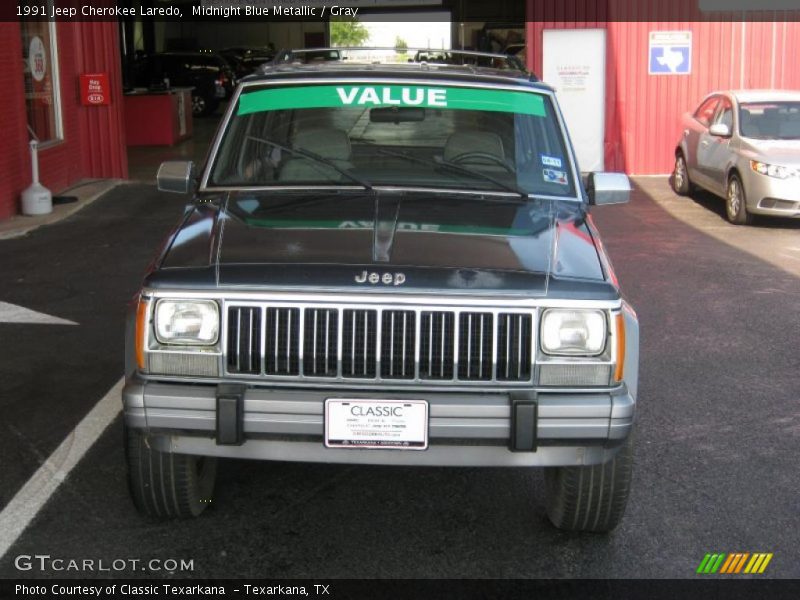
column 462, row 142
column 332, row 144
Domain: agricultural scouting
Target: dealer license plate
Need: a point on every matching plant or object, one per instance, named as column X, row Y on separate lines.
column 385, row 424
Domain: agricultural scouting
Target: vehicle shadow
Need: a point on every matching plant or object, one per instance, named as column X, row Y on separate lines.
column 716, row 205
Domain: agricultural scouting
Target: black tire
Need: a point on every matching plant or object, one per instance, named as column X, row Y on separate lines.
column 590, row 498
column 165, row 485
column 736, row 209
column 680, row 182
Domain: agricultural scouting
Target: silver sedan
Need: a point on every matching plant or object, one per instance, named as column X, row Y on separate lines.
column 743, row 146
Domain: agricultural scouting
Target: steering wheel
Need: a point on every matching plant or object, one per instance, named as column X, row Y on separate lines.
column 459, row 158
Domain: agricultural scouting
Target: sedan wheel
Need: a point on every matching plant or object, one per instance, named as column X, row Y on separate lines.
column 736, row 203
column 199, row 106
column 680, row 177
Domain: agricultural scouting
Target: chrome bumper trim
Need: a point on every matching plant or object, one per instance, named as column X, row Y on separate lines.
column 487, row 416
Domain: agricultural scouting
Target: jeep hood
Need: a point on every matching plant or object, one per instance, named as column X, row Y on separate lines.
column 446, row 242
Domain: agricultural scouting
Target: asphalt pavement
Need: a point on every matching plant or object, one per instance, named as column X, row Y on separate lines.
column 717, row 438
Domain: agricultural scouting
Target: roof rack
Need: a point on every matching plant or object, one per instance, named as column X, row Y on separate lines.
column 439, row 56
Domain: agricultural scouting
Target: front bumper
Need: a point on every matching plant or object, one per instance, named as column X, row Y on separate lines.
column 772, row 196
column 465, row 429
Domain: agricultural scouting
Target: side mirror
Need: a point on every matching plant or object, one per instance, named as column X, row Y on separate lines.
column 176, row 176
column 720, row 130
column 608, row 188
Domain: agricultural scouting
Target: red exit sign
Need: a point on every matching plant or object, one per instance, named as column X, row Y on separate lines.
column 95, row 89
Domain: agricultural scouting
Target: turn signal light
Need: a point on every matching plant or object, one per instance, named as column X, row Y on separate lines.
column 141, row 323
column 773, row 170
column 620, row 370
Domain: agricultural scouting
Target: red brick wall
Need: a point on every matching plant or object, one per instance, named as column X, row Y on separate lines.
column 94, row 143
column 14, row 163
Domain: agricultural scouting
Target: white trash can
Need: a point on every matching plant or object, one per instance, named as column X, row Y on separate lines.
column 36, row 199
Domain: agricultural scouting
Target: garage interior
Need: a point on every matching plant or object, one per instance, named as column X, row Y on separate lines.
column 474, row 25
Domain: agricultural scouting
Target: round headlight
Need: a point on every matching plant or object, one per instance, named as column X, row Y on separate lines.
column 574, row 332
column 192, row 322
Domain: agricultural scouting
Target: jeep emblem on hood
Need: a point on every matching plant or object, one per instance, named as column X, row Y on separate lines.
column 385, row 278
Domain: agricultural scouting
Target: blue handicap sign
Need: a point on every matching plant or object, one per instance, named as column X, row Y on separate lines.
column 670, row 59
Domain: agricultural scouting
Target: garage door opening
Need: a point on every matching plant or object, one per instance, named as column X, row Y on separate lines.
column 392, row 30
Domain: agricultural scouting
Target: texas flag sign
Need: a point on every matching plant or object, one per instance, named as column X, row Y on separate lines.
column 670, row 53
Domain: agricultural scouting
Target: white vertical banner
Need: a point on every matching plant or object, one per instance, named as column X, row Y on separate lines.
column 574, row 63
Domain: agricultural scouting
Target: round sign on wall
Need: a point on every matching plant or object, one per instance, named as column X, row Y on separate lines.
column 37, row 59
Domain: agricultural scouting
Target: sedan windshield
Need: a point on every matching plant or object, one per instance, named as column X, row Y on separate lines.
column 770, row 120
column 447, row 137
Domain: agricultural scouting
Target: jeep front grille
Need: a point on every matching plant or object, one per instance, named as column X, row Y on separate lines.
column 244, row 340
column 320, row 342
column 358, row 343
column 436, row 345
column 514, row 346
column 282, row 355
column 401, row 345
column 475, row 346
column 398, row 344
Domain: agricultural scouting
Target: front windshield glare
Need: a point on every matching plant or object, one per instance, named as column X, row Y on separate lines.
column 770, row 120
column 414, row 136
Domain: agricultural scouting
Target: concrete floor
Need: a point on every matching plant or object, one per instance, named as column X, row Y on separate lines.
column 773, row 240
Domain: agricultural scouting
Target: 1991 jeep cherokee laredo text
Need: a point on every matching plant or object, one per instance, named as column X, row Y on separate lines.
column 385, row 264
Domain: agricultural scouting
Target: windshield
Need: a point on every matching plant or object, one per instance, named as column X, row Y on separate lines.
column 770, row 120
column 414, row 136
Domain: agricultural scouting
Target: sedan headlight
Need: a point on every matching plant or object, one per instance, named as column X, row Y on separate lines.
column 190, row 322
column 773, row 170
column 574, row 332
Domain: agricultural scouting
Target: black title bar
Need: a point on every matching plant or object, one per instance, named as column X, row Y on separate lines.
column 385, row 10
column 418, row 589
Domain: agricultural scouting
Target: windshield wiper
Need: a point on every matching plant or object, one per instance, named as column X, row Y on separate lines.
column 315, row 157
column 466, row 171
column 455, row 167
column 304, row 200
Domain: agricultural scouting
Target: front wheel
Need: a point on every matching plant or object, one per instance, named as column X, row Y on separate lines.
column 165, row 485
column 736, row 203
column 680, row 176
column 590, row 498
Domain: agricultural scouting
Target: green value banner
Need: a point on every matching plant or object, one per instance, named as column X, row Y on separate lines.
column 368, row 96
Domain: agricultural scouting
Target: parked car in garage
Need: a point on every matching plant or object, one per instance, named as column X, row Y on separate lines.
column 245, row 60
column 310, row 55
column 479, row 59
column 209, row 75
column 745, row 147
column 517, row 50
column 386, row 264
